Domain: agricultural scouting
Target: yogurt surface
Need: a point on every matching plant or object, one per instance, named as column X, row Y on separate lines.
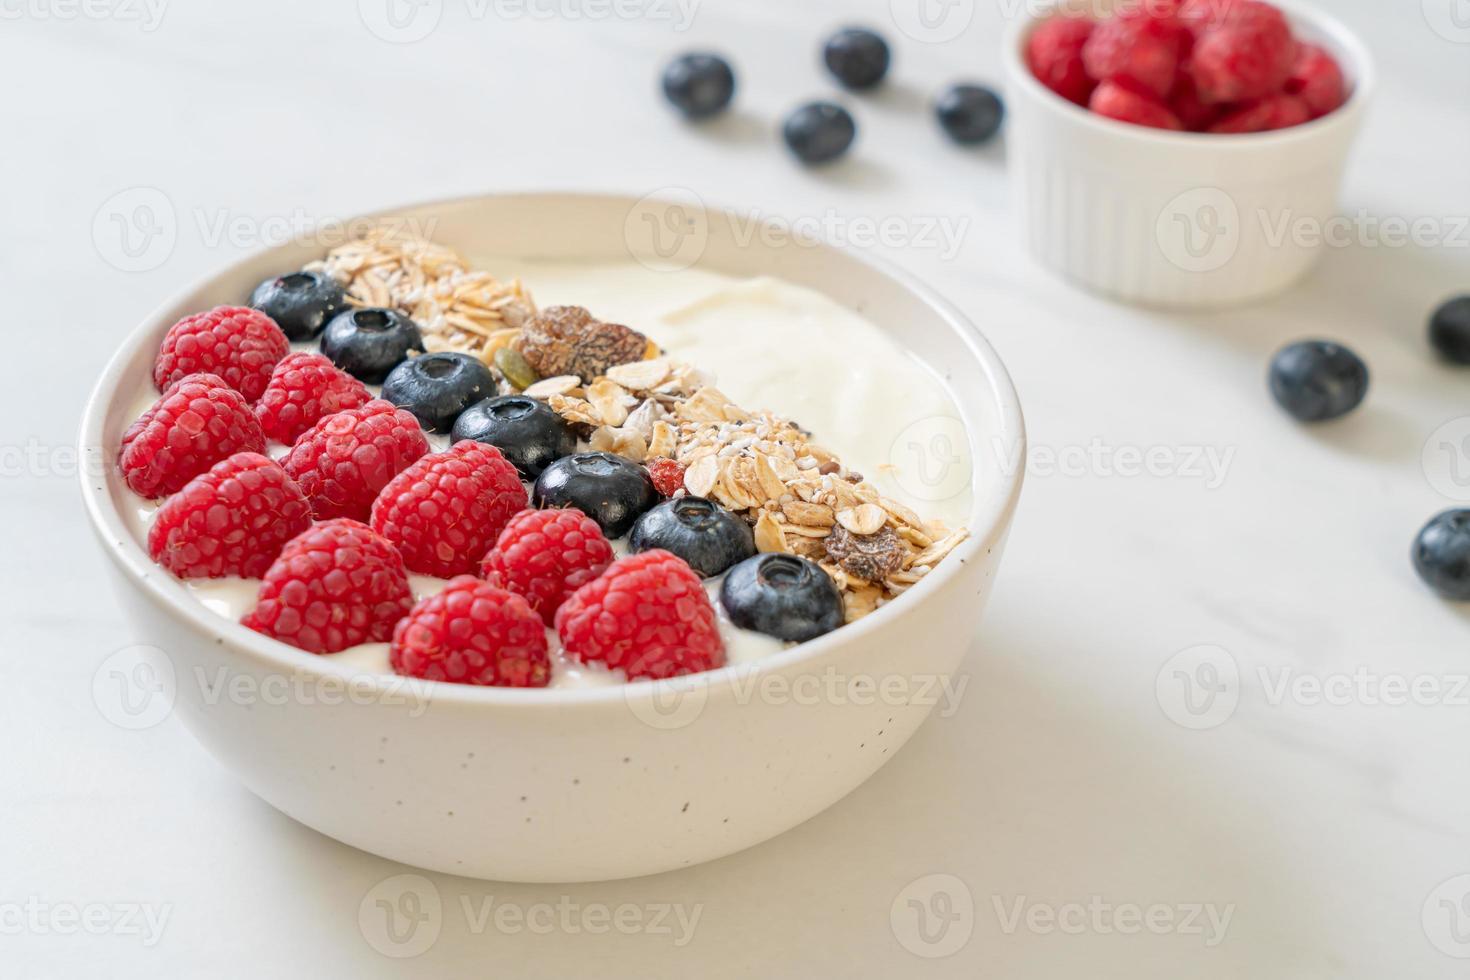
column 767, row 343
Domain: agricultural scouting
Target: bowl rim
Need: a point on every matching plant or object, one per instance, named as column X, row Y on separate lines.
column 172, row 598
column 1363, row 77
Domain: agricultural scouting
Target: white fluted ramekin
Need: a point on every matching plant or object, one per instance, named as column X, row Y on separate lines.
column 1181, row 220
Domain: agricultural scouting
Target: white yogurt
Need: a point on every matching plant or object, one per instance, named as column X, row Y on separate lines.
column 769, row 344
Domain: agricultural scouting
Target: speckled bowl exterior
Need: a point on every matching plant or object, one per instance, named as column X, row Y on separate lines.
column 577, row 785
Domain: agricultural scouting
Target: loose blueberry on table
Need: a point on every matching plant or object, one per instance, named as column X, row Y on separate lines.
column 1317, row 380
column 784, row 596
column 438, row 387
column 1442, row 554
column 819, row 132
column 699, row 84
column 700, row 531
column 369, row 343
column 970, row 114
column 611, row 490
column 301, row 303
column 857, row 57
column 1449, row 330
column 527, row 431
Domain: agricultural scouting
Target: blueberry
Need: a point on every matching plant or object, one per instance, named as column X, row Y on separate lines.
column 437, row 388
column 525, row 430
column 970, row 114
column 1442, row 554
column 857, row 57
column 611, row 490
column 1449, row 330
column 699, row 85
column 1316, row 380
column 819, row 132
column 301, row 303
column 783, row 596
column 369, row 343
column 700, row 531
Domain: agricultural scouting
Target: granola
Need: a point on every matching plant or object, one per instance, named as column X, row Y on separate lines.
column 624, row 397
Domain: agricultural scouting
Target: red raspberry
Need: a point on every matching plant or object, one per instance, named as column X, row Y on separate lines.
column 335, row 585
column 668, row 475
column 198, row 422
column 237, row 343
column 304, row 389
column 546, row 555
column 1135, row 47
column 232, row 520
column 1272, row 112
column 1193, row 112
column 1317, row 80
column 1199, row 16
column 1131, row 106
column 472, row 633
column 1243, row 59
column 344, row 460
column 445, row 510
column 1054, row 54
column 647, row 614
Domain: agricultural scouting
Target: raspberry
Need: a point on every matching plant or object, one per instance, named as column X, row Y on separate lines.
column 198, row 422
column 1272, row 112
column 668, row 475
column 237, row 343
column 305, row 388
column 1317, row 80
column 1243, row 59
column 232, row 520
column 546, row 555
column 445, row 510
column 1199, row 16
column 472, row 633
column 1193, row 112
column 1137, row 47
column 344, row 460
column 1054, row 54
column 1128, row 105
column 647, row 614
column 335, row 585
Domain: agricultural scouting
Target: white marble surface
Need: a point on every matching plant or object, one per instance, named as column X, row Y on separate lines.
column 1323, row 830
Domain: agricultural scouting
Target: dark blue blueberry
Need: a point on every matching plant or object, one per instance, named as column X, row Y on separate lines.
column 699, row 85
column 970, row 114
column 783, row 596
column 1316, row 380
column 301, row 303
column 526, row 431
column 819, row 132
column 700, row 531
column 1442, row 554
column 1449, row 330
column 611, row 490
column 369, row 343
column 857, row 57
column 437, row 388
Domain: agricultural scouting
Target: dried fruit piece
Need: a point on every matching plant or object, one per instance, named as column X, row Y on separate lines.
column 870, row 557
column 513, row 365
column 569, row 340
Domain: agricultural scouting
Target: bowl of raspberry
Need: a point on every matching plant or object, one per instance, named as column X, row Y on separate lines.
column 505, row 589
column 1181, row 153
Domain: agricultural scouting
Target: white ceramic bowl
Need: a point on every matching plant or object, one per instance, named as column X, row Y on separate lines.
column 1185, row 220
column 569, row 785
